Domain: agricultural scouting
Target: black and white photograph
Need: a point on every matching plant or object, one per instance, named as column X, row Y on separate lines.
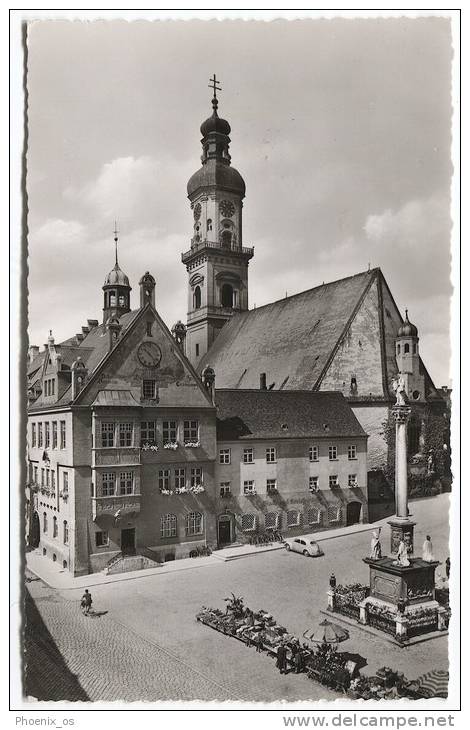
column 239, row 375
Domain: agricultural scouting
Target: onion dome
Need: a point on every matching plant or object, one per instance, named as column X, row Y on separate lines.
column 216, row 174
column 407, row 329
column 116, row 277
column 215, row 123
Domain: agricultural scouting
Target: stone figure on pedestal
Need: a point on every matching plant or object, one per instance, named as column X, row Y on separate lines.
column 427, row 550
column 402, row 555
column 375, row 546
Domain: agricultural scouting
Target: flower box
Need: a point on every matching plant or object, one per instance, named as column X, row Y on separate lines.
column 148, row 446
column 170, row 445
column 166, row 491
column 181, row 490
column 64, row 495
column 197, row 489
column 192, row 444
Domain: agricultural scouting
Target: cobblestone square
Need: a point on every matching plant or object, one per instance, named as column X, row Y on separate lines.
column 148, row 645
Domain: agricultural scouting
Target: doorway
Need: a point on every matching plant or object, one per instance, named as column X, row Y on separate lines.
column 224, row 532
column 353, row 513
column 128, row 541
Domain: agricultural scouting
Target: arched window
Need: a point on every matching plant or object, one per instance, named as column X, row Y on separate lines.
column 66, row 533
column 226, row 239
column 197, row 298
column 314, row 516
column 406, row 348
column 227, row 295
column 44, row 522
column 194, row 523
column 168, row 525
column 112, row 299
column 54, row 527
column 398, row 349
column 209, row 224
column 122, row 300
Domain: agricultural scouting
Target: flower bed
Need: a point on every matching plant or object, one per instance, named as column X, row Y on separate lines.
column 381, row 618
column 347, row 599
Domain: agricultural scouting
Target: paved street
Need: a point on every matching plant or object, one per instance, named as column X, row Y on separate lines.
column 148, row 645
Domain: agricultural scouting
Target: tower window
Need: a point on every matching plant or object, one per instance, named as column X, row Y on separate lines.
column 197, row 298
column 209, row 224
column 406, row 348
column 122, row 301
column 226, row 239
column 149, row 329
column 414, row 349
column 398, row 349
column 227, row 296
column 112, row 299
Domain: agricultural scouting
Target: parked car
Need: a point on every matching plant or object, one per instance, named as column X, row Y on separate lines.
column 304, row 545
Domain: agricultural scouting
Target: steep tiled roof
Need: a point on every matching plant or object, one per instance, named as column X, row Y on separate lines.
column 115, row 398
column 259, row 414
column 290, row 340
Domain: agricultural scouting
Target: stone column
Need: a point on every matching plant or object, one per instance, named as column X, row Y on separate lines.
column 401, row 525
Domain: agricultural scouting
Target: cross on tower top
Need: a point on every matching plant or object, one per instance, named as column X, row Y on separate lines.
column 213, row 85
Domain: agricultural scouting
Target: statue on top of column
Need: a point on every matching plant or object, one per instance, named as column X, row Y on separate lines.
column 398, row 385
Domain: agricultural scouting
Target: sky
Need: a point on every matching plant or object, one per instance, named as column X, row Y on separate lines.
column 341, row 130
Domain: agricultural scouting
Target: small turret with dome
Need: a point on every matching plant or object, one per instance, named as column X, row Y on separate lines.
column 408, row 361
column 116, row 290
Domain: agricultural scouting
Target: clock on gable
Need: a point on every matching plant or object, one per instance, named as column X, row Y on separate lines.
column 227, row 208
column 149, row 354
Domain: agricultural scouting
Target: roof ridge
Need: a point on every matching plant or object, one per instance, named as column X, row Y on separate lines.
column 313, row 288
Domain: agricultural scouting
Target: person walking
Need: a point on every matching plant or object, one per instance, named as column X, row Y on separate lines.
column 259, row 641
column 86, row 602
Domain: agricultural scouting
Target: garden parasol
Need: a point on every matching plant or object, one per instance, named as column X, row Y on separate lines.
column 431, row 684
column 329, row 633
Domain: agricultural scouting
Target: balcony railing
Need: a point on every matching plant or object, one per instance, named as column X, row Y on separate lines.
column 201, row 245
column 117, row 455
column 116, row 506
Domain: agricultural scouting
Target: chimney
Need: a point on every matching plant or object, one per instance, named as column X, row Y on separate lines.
column 85, row 330
column 92, row 323
column 262, row 381
column 114, row 331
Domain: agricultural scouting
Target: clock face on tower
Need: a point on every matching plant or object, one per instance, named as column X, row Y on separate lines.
column 197, row 211
column 227, row 208
column 149, row 354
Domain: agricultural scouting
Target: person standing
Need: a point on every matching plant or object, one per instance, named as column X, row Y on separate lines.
column 281, row 658
column 86, row 602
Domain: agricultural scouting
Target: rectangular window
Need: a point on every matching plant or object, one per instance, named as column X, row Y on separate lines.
column 47, row 435
column 248, row 456
column 191, row 431
column 168, row 525
column 43, row 481
column 249, row 523
column 65, row 482
column 54, row 434
column 63, row 440
column 48, row 478
column 293, row 518
column 149, row 389
column 35, row 472
column 53, row 480
column 352, row 480
column 332, row 453
column 352, row 452
column 271, row 486
column 149, row 329
column 249, row 487
column 194, row 523
column 44, row 522
column 126, row 482
column 333, row 480
column 196, row 476
column 125, row 434
column 148, row 432
column 33, row 434
column 313, row 484
column 107, row 435
column 197, row 350
column 52, row 387
column 108, row 484
column 101, row 539
column 164, row 479
column 313, row 453
column 225, row 489
column 170, row 432
column 66, row 533
column 271, row 455
column 40, row 441
column 224, row 456
column 180, row 478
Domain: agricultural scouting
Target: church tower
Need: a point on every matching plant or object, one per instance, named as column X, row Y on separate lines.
column 217, row 262
column 408, row 362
